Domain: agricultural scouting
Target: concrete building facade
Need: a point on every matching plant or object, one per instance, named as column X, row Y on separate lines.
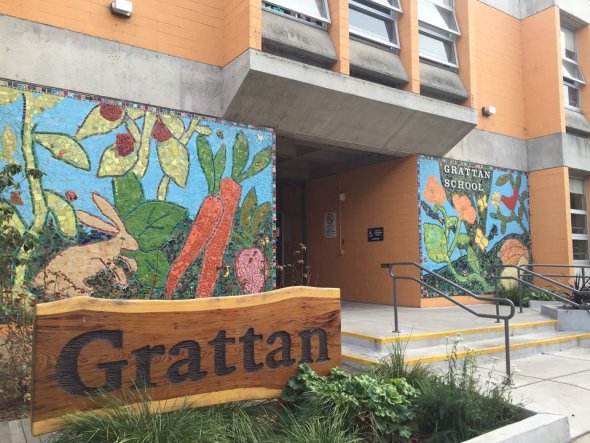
column 451, row 133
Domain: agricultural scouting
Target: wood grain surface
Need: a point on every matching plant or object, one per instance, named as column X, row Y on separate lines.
column 204, row 351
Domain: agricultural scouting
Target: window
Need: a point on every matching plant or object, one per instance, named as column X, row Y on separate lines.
column 307, row 10
column 438, row 31
column 579, row 217
column 572, row 74
column 375, row 20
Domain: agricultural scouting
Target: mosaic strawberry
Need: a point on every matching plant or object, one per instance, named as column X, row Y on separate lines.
column 125, row 144
column 160, row 132
column 111, row 113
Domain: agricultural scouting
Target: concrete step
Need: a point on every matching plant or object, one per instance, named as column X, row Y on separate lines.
column 485, row 350
column 425, row 340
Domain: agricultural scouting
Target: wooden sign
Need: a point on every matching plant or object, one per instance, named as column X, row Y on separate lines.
column 202, row 352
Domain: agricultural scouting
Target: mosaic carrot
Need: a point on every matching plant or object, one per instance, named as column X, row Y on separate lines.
column 230, row 192
column 203, row 228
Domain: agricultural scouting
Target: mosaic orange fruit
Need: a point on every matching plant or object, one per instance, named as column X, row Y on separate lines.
column 125, row 144
column 512, row 250
column 160, row 132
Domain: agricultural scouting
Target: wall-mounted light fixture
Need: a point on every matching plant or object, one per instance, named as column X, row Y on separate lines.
column 488, row 110
column 122, row 7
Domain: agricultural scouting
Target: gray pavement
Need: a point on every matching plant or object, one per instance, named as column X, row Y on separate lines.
column 553, row 383
column 378, row 320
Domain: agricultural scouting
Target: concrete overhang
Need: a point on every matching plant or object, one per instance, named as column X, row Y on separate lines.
column 318, row 105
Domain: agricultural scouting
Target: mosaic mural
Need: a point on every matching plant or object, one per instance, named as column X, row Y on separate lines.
column 136, row 201
column 473, row 218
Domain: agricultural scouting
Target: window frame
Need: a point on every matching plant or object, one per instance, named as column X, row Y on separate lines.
column 325, row 20
column 581, row 237
column 447, row 36
column 392, row 17
column 568, row 80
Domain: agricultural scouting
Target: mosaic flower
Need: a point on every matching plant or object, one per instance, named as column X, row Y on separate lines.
column 496, row 197
column 125, row 144
column 71, row 195
column 16, row 198
column 434, row 192
column 482, row 203
column 481, row 240
column 464, row 208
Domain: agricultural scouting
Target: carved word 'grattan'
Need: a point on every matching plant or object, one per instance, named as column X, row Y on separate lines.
column 186, row 369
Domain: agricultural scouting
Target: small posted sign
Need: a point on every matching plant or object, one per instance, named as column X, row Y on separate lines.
column 330, row 225
column 375, row 234
column 199, row 352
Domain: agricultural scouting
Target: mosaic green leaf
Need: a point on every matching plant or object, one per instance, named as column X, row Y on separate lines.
column 152, row 223
column 128, row 193
column 258, row 218
column 152, row 268
column 15, row 221
column 436, row 243
column 9, row 144
column 64, row 148
column 260, row 162
column 8, row 95
column 462, row 240
column 240, row 154
column 472, row 259
column 163, row 186
column 174, row 160
column 205, row 155
column 114, row 165
column 63, row 214
column 134, row 113
column 42, row 103
column 219, row 166
column 517, row 182
column 247, row 210
column 143, row 153
column 451, row 221
column 95, row 124
column 174, row 124
column 503, row 179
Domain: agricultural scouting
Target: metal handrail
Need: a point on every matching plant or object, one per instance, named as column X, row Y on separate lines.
column 528, row 272
column 497, row 301
column 546, row 265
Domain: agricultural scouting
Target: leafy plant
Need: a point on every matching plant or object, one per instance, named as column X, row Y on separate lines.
column 369, row 406
column 581, row 284
column 231, row 423
column 528, row 294
column 457, row 406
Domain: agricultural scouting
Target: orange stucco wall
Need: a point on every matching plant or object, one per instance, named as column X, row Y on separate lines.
column 542, row 75
column 550, row 216
column 499, row 70
column 209, row 31
column 466, row 48
column 338, row 31
column 408, row 38
column 381, row 195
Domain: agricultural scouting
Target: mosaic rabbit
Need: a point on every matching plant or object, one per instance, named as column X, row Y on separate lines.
column 66, row 273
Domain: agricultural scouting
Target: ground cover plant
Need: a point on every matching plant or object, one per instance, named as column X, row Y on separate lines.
column 390, row 402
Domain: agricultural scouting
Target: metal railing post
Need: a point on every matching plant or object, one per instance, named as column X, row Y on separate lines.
column 519, row 290
column 507, row 344
column 497, row 303
column 395, row 303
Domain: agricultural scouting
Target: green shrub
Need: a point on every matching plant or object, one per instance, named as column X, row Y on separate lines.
column 330, row 428
column 373, row 407
column 527, row 295
column 457, row 406
column 394, row 365
column 246, row 422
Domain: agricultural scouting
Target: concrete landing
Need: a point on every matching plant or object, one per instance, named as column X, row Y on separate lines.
column 553, row 383
column 377, row 320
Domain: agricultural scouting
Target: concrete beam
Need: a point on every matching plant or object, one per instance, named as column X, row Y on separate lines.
column 492, row 149
column 309, row 103
column 45, row 55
